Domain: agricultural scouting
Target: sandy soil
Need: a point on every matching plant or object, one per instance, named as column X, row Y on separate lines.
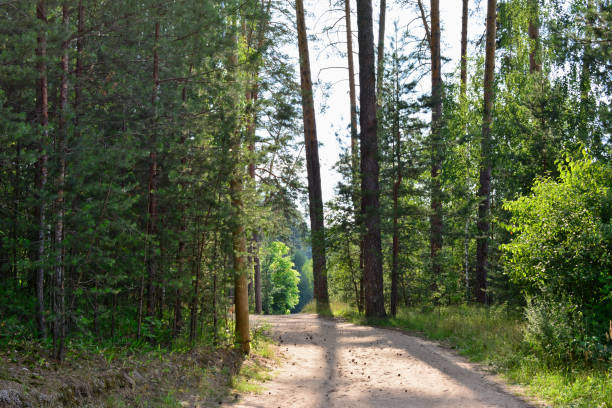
column 331, row 363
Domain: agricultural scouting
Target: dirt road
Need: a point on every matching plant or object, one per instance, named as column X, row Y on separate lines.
column 332, row 364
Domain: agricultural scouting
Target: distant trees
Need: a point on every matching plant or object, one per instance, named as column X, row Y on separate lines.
column 282, row 292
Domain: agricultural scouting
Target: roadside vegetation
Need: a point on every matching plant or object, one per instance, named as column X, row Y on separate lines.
column 114, row 375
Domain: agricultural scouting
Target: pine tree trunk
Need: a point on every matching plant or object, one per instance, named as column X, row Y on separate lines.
column 396, row 187
column 254, row 247
column 59, row 331
column 436, row 144
column 152, row 210
column 464, row 43
column 354, row 142
column 79, row 64
column 239, row 245
column 463, row 99
column 484, row 191
column 257, row 275
column 180, row 255
column 370, row 191
column 353, row 105
column 534, row 35
column 317, row 227
column 240, row 266
column 254, row 93
column 42, row 109
column 380, row 54
column 193, row 309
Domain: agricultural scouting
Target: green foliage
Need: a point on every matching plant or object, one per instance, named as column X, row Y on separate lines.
column 557, row 332
column 306, row 285
column 282, row 293
column 561, row 243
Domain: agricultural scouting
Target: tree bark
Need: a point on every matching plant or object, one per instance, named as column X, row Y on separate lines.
column 370, row 191
column 354, row 143
column 193, row 307
column 257, row 275
column 42, row 108
column 464, row 43
column 380, row 54
column 254, row 95
column 317, row 226
column 534, row 35
column 59, row 330
column 484, row 191
column 241, row 294
column 436, row 144
column 396, row 187
column 152, row 210
column 353, row 103
column 463, row 100
column 239, row 245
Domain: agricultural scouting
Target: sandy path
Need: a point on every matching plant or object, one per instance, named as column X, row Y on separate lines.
column 336, row 364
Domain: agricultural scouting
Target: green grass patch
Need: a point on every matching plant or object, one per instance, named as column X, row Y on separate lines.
column 255, row 369
column 336, row 309
column 494, row 336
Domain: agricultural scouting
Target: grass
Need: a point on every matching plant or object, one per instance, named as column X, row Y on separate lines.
column 255, row 369
column 494, row 336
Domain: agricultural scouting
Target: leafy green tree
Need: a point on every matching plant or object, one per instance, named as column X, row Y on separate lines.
column 305, row 286
column 561, row 245
column 282, row 292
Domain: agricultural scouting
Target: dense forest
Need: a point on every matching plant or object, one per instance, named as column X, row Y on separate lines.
column 160, row 173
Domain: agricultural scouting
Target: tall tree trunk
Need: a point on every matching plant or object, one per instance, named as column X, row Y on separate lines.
column 436, row 144
column 535, row 64
column 463, row 99
column 380, row 54
column 464, row 43
column 241, row 294
column 152, row 210
column 396, row 188
column 42, row 108
column 79, row 64
column 254, row 95
column 353, row 104
column 370, row 191
column 59, row 330
column 484, row 191
column 193, row 308
column 354, row 143
column 317, row 227
column 257, row 275
column 241, row 290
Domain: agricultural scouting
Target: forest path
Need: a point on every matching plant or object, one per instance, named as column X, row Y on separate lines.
column 330, row 363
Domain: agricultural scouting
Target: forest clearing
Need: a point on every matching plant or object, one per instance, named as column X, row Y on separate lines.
column 367, row 177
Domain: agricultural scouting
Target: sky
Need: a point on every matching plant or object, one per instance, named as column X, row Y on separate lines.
column 333, row 104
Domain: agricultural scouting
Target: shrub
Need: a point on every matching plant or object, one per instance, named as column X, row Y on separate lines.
column 562, row 252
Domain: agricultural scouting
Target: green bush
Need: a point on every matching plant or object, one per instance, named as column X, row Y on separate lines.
column 561, row 253
column 556, row 331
